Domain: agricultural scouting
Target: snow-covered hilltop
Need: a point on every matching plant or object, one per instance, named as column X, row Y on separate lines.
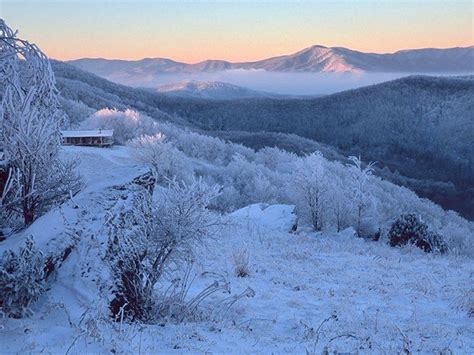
column 216, row 90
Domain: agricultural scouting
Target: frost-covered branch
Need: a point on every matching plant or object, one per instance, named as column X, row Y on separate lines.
column 30, row 121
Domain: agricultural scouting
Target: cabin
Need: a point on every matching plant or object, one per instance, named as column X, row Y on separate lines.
column 95, row 138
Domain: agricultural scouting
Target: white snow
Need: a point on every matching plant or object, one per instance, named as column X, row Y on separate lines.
column 376, row 299
column 271, row 217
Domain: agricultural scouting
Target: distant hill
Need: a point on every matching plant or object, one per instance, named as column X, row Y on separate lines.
column 215, row 90
column 313, row 59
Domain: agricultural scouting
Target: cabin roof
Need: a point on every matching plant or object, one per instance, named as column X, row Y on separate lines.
column 88, row 133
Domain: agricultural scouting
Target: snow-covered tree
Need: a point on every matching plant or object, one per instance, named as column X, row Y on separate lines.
column 30, row 121
column 339, row 202
column 361, row 195
column 252, row 181
column 310, row 187
column 76, row 111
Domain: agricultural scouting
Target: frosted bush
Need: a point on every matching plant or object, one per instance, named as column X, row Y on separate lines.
column 126, row 124
column 253, row 182
column 459, row 239
column 410, row 229
column 76, row 111
column 22, row 279
column 166, row 162
column 466, row 302
column 148, row 241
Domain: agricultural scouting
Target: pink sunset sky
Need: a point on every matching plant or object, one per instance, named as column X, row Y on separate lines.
column 193, row 31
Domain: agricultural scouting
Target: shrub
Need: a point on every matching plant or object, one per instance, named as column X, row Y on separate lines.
column 437, row 243
column 126, row 124
column 165, row 161
column 241, row 263
column 22, row 279
column 149, row 240
column 410, row 229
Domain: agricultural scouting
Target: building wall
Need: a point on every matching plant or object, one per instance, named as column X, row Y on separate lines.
column 93, row 141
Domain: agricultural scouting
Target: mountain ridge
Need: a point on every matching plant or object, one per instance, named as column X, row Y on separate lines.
column 315, row 58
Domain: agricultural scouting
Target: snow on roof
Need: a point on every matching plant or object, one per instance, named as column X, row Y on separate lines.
column 88, row 133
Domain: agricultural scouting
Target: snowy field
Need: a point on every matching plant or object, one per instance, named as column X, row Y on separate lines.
column 313, row 292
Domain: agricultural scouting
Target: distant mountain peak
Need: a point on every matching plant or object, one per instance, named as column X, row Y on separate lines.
column 317, row 58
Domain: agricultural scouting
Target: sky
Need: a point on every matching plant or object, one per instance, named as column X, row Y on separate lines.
column 192, row 31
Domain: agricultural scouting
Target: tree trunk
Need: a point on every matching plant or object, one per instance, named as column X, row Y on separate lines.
column 28, row 215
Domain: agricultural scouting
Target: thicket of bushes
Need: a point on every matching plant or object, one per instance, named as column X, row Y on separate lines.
column 328, row 194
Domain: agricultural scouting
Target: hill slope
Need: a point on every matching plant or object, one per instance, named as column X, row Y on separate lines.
column 304, row 298
column 421, row 127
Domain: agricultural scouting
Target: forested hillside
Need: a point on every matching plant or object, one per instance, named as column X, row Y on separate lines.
column 422, row 127
column 437, row 114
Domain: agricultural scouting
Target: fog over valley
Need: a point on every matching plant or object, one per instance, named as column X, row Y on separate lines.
column 282, row 83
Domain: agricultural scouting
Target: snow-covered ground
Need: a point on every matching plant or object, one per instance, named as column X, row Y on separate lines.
column 312, row 291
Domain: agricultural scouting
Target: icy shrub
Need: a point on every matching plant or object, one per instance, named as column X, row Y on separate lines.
column 76, row 111
column 2, row 320
column 21, row 279
column 126, row 124
column 166, row 162
column 459, row 238
column 437, row 243
column 241, row 262
column 129, row 229
column 253, row 182
column 148, row 240
column 410, row 229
